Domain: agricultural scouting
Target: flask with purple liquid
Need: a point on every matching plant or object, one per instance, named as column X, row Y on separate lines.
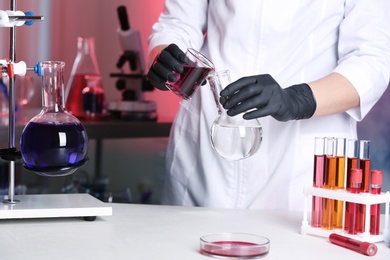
column 54, row 142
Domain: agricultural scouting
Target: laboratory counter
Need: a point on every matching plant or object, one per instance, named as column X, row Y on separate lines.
column 163, row 232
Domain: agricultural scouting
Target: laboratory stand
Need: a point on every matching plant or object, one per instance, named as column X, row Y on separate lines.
column 34, row 206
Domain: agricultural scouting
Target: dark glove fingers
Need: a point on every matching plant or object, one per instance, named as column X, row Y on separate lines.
column 261, row 112
column 237, row 85
column 247, row 92
column 175, row 51
column 169, row 61
column 163, row 72
column 156, row 80
column 248, row 104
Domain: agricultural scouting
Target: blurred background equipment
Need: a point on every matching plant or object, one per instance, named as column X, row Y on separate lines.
column 131, row 80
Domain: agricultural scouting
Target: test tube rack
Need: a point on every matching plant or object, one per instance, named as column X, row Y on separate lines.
column 343, row 195
column 35, row 205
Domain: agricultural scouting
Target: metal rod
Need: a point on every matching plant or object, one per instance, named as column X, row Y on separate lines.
column 11, row 126
column 26, row 18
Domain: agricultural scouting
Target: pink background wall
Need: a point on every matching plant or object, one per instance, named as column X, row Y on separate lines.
column 55, row 38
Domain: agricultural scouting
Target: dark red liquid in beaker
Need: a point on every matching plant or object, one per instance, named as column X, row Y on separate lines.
column 235, row 249
column 74, row 101
column 93, row 102
column 189, row 80
column 49, row 145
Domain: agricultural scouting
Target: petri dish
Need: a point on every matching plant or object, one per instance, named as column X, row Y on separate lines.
column 234, row 245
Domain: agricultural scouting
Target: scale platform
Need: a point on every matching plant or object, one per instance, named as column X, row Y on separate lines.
column 55, row 206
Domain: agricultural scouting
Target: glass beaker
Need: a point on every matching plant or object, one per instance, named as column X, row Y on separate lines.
column 54, row 142
column 195, row 71
column 234, row 138
column 84, row 67
column 94, row 101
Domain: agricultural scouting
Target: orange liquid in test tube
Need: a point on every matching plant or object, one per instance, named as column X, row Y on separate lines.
column 330, row 182
column 338, row 207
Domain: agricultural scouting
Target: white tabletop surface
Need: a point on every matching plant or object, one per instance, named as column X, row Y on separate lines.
column 162, row 232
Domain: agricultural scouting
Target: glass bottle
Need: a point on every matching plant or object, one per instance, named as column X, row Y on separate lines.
column 84, row 67
column 234, row 138
column 54, row 142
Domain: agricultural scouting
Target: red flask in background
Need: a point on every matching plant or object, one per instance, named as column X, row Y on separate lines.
column 84, row 68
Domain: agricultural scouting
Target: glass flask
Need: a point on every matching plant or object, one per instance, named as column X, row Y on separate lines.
column 54, row 142
column 84, row 68
column 233, row 138
column 194, row 73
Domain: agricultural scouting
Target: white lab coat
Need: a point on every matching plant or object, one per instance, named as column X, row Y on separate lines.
column 294, row 41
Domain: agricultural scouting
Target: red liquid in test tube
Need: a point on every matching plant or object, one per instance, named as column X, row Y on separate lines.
column 353, row 208
column 318, row 180
column 352, row 162
column 366, row 248
column 376, row 184
column 365, row 164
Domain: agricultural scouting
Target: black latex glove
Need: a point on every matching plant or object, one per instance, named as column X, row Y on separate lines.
column 170, row 60
column 262, row 96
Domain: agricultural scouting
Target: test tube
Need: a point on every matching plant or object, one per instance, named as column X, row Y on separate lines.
column 355, row 187
column 376, row 184
column 366, row 248
column 365, row 163
column 352, row 162
column 330, row 181
column 338, row 207
column 318, row 180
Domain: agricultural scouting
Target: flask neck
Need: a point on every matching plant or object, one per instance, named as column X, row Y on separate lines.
column 53, row 86
column 218, row 81
column 85, row 62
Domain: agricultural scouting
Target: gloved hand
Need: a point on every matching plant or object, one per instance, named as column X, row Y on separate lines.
column 261, row 96
column 170, row 60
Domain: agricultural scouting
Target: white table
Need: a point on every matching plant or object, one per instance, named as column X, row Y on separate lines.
column 162, row 232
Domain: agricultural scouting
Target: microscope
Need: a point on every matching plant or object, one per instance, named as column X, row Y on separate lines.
column 131, row 80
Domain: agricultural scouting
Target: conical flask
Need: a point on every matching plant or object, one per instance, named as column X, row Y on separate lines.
column 233, row 138
column 84, row 67
column 54, row 142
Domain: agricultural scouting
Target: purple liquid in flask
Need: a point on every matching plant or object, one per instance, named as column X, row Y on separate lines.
column 54, row 142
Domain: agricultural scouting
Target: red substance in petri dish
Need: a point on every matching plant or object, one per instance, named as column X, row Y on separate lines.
column 235, row 249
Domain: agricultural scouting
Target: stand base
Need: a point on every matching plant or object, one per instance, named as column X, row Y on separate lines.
column 54, row 206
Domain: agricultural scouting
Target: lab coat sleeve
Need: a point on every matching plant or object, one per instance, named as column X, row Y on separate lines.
column 182, row 22
column 364, row 51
